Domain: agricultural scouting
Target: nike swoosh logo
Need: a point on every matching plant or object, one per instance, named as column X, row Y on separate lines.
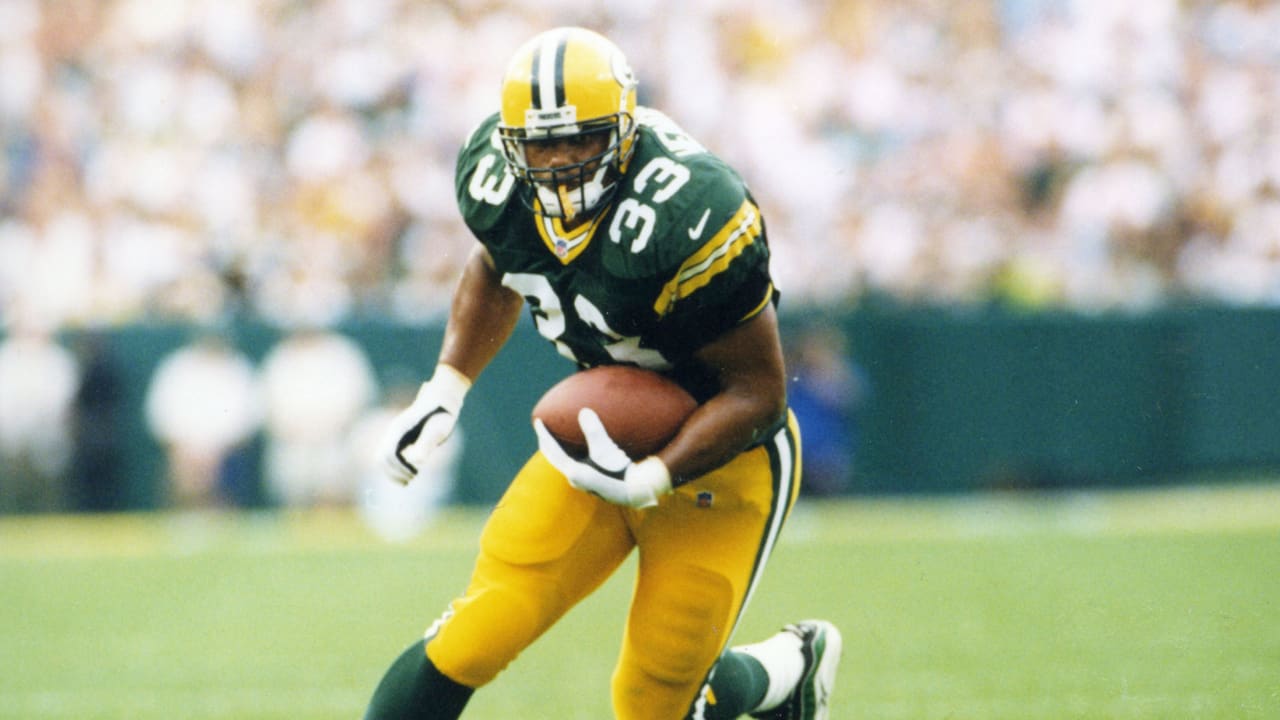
column 695, row 232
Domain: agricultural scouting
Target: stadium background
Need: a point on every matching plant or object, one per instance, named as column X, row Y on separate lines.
column 1046, row 231
column 1049, row 229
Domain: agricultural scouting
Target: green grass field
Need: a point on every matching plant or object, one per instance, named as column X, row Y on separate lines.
column 1127, row 606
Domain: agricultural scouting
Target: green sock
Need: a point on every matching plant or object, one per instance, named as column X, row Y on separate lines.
column 737, row 686
column 413, row 689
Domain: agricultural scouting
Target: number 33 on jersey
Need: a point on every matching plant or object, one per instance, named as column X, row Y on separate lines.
column 677, row 257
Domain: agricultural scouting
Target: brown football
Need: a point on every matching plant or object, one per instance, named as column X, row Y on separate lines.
column 641, row 409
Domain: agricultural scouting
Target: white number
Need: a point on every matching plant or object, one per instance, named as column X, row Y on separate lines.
column 632, row 214
column 639, row 217
column 672, row 176
column 490, row 187
column 549, row 318
column 622, row 348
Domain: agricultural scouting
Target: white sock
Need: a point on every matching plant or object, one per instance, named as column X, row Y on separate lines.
column 783, row 662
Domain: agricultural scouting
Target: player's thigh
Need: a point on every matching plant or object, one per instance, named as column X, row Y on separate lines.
column 724, row 524
column 701, row 553
column 545, row 547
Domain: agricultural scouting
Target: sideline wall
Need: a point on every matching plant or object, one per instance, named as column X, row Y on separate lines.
column 961, row 399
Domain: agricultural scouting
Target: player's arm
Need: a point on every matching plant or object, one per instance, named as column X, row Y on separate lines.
column 752, row 399
column 481, row 319
column 483, row 315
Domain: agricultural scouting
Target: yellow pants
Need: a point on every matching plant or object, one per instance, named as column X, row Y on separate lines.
column 701, row 551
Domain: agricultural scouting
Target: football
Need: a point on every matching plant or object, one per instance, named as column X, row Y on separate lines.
column 641, row 409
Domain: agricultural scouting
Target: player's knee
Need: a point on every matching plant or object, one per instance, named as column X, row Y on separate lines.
column 483, row 636
column 675, row 637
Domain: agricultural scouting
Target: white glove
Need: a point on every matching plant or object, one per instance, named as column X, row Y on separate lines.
column 424, row 425
column 607, row 471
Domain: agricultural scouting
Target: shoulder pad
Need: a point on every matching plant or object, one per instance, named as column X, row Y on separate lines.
column 482, row 181
column 675, row 197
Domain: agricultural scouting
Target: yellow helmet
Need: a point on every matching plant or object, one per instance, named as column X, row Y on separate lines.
column 564, row 83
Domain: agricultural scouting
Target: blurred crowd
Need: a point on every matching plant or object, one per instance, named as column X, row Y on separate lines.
column 292, row 161
column 294, row 426
column 293, row 158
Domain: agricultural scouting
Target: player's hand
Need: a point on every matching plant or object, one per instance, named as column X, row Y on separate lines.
column 606, row 471
column 423, row 426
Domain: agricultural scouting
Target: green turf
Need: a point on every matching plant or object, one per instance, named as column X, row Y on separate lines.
column 1132, row 606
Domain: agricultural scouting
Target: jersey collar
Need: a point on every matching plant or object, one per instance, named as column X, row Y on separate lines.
column 566, row 245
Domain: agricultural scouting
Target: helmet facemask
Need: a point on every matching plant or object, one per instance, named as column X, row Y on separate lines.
column 582, row 188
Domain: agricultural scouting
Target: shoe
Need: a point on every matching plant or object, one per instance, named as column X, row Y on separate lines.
column 821, row 645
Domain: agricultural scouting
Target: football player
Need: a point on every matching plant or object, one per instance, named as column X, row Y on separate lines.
column 631, row 243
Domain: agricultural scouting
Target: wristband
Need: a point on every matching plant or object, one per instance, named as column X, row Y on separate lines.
column 450, row 385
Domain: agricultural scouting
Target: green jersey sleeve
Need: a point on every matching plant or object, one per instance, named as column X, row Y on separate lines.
column 712, row 255
column 482, row 181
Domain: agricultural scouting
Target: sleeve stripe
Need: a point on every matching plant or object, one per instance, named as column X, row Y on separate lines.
column 712, row 258
column 768, row 296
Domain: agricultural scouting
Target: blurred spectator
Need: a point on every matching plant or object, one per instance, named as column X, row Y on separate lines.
column 204, row 407
column 826, row 389
column 97, row 479
column 307, row 147
column 38, row 381
column 317, row 384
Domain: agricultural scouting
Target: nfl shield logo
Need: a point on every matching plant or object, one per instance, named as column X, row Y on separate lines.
column 704, row 499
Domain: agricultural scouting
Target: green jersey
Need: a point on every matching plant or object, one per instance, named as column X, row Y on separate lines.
column 677, row 257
